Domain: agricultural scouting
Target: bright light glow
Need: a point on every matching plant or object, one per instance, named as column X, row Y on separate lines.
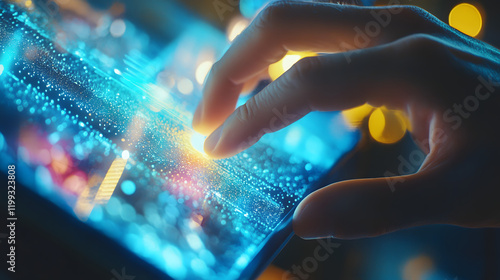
column 128, row 187
column 242, row 261
column 173, row 262
column 158, row 93
column 466, row 18
column 194, row 241
column 125, row 154
column 235, row 27
column 11, row 50
column 202, row 71
column 1, row 69
column 289, row 60
column 28, row 3
column 118, row 72
column 278, row 68
column 292, row 139
column 197, row 141
column 355, row 116
column 387, row 126
column 117, row 28
column 185, row 86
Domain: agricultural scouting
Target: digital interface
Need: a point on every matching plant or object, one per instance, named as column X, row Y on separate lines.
column 96, row 116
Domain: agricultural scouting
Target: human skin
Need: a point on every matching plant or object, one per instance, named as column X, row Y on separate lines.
column 445, row 81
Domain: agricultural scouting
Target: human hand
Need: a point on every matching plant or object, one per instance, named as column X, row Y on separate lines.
column 448, row 84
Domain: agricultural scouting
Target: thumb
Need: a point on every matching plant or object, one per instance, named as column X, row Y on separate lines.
column 371, row 207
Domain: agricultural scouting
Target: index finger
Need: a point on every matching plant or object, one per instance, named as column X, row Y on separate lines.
column 299, row 26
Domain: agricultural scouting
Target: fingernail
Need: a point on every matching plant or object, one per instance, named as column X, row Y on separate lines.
column 212, row 140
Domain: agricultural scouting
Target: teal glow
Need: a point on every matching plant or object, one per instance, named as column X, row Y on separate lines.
column 11, row 52
column 2, row 142
column 96, row 214
column 128, row 187
column 242, row 261
column 249, row 8
column 173, row 262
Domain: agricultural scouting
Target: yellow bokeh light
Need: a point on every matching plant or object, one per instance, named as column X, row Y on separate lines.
column 278, row 68
column 87, row 200
column 355, row 116
column 387, row 126
column 466, row 18
column 272, row 272
column 110, row 181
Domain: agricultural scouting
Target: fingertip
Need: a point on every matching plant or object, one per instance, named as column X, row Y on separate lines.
column 197, row 120
column 225, row 142
column 201, row 129
column 211, row 143
column 201, row 126
column 302, row 225
column 207, row 120
column 215, row 147
column 346, row 210
column 307, row 220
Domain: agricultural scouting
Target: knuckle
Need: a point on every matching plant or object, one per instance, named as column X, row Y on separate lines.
column 305, row 70
column 429, row 47
column 416, row 19
column 273, row 13
column 413, row 13
column 245, row 112
column 310, row 73
column 424, row 58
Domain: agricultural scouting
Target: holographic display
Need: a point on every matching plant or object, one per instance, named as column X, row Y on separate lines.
column 97, row 117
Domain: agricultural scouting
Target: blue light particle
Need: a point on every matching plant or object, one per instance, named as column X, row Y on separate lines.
column 128, row 187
